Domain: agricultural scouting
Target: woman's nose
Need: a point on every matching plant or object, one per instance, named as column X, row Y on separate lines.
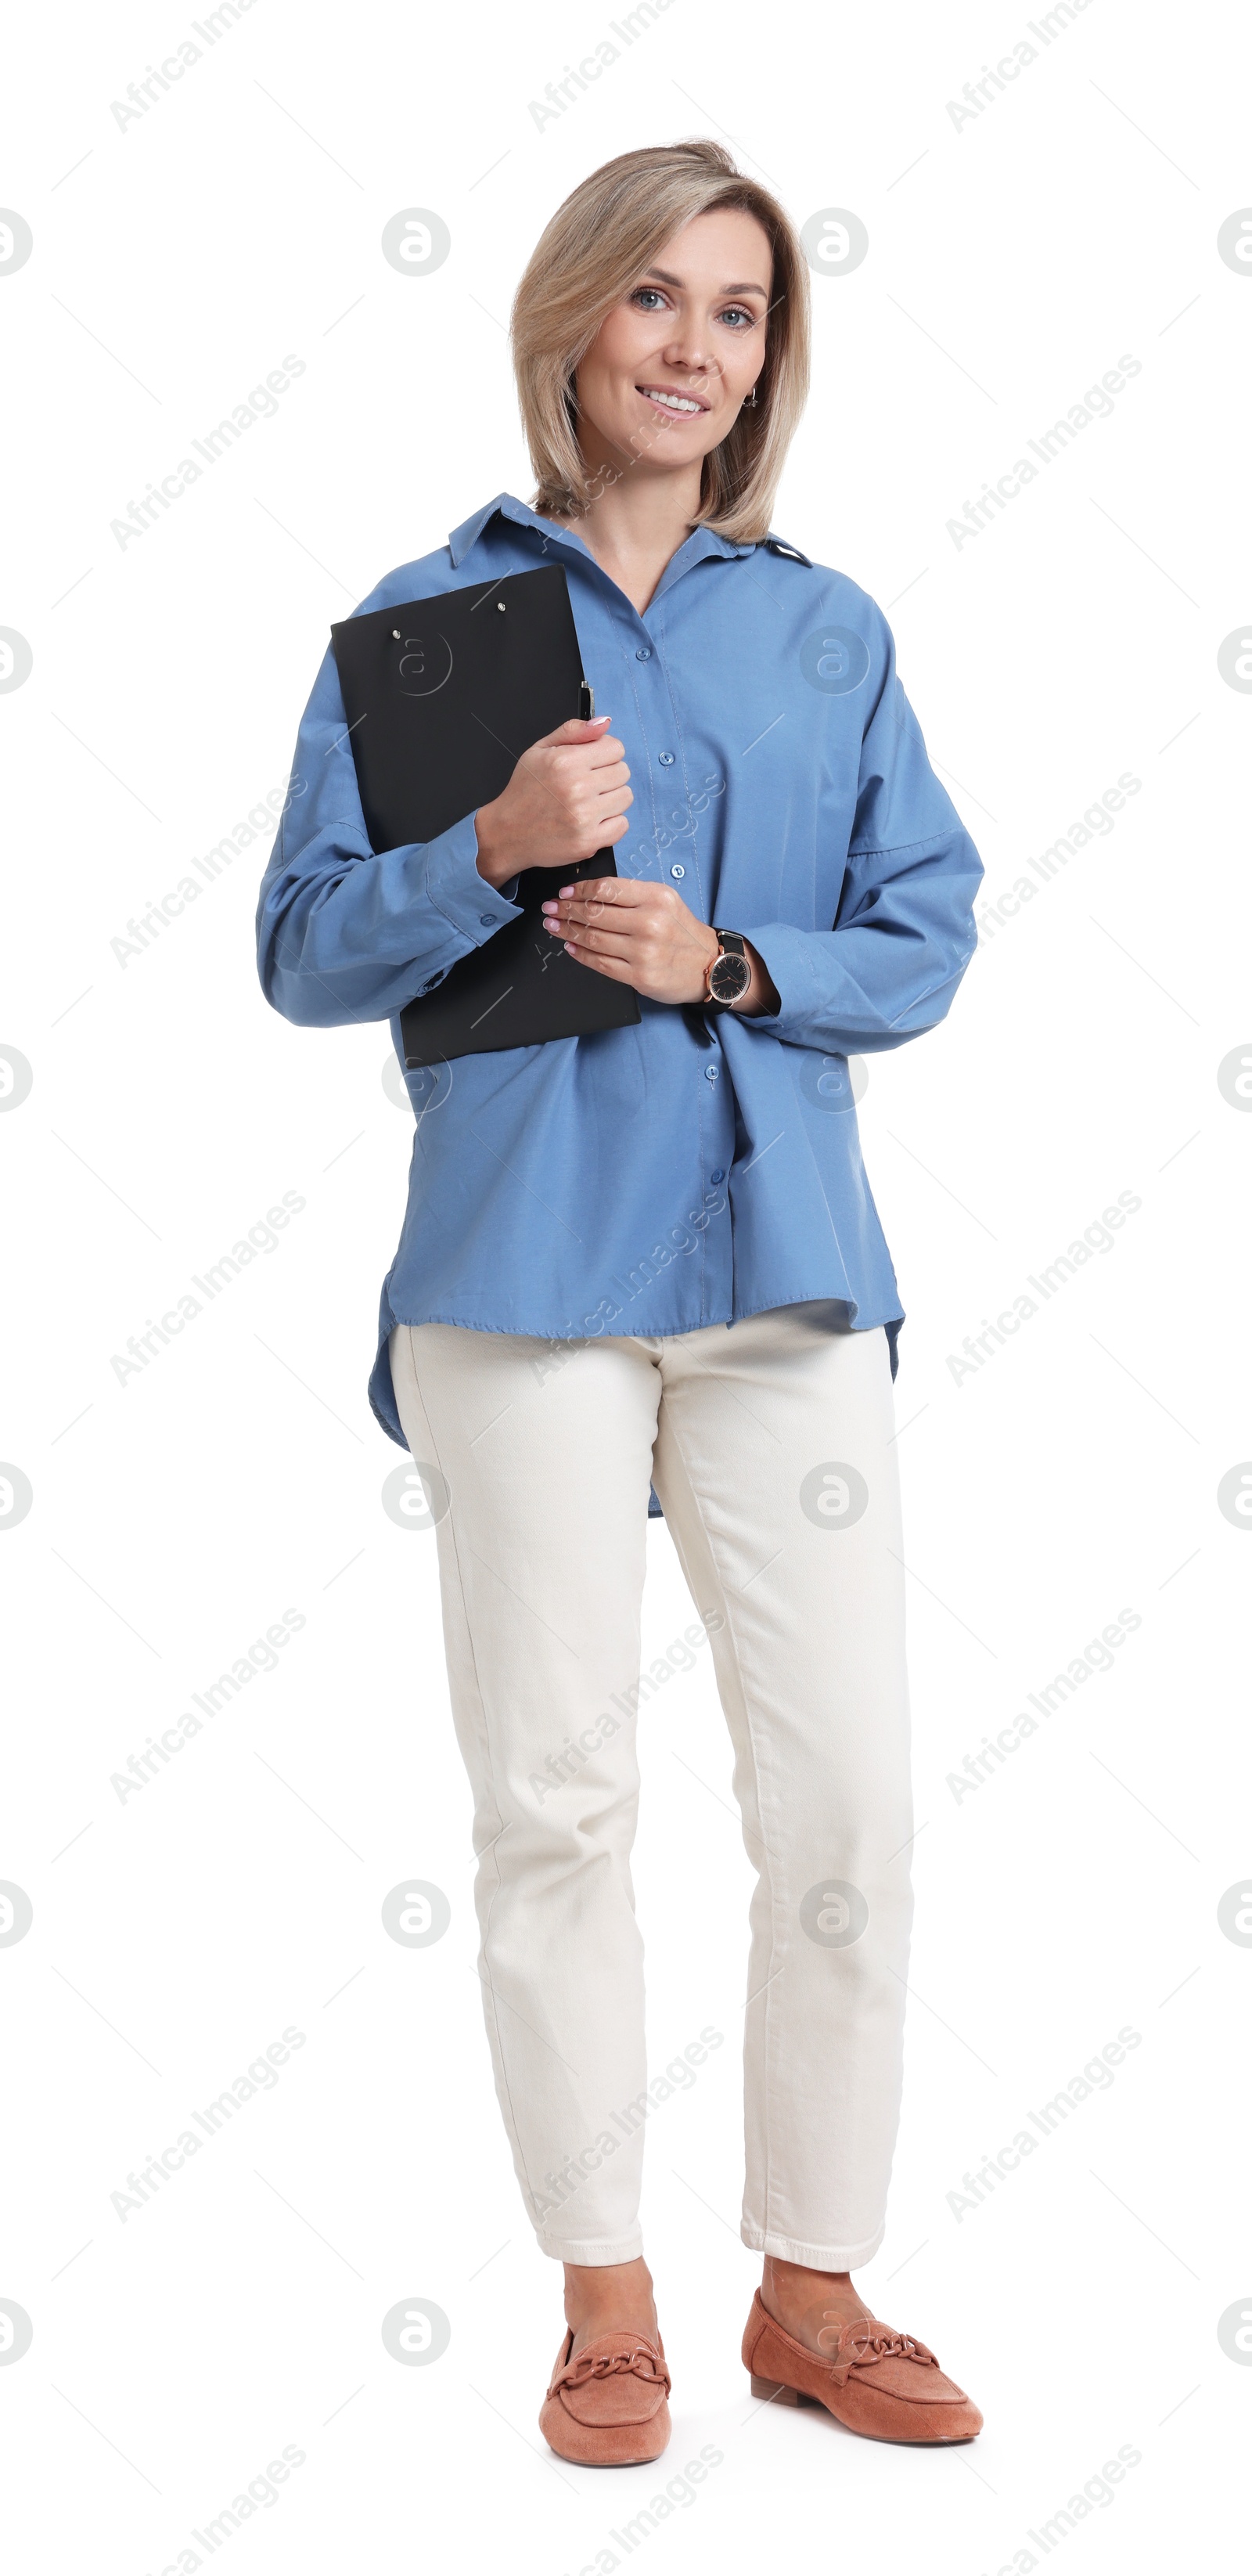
column 689, row 355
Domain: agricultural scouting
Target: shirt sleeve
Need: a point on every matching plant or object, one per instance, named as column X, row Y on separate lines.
column 345, row 932
column 904, row 929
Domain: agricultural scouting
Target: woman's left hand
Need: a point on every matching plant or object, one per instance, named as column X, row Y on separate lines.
column 645, row 936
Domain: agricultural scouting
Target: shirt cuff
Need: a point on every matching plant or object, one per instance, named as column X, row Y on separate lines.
column 454, row 886
column 786, row 959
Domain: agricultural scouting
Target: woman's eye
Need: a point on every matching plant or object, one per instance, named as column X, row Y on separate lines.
column 737, row 313
column 642, row 291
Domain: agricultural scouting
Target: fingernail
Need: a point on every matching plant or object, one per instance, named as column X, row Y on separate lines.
column 564, row 890
column 548, row 907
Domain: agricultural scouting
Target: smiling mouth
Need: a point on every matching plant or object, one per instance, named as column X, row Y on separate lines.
column 667, row 399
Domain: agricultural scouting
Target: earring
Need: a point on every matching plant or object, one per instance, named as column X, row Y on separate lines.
column 751, row 401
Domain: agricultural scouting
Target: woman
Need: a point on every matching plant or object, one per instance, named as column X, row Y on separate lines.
column 649, row 1258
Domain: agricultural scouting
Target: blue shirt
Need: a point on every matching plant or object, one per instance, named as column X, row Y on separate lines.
column 698, row 1167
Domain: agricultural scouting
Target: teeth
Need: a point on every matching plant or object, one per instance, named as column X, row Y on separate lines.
column 672, row 402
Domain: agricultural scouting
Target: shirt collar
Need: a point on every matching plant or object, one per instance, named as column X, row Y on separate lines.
column 467, row 535
column 702, row 541
column 783, row 546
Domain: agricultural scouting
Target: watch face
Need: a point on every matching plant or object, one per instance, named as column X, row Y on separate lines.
column 729, row 977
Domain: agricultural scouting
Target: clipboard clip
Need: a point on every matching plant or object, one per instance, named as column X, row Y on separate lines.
column 586, row 701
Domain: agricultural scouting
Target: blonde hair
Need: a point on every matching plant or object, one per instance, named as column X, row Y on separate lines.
column 596, row 247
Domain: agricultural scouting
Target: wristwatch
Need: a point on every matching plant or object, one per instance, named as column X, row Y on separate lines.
column 729, row 974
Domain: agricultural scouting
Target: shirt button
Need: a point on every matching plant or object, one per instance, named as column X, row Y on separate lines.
column 717, row 1176
column 677, row 870
column 487, row 919
column 666, row 759
column 710, row 1073
column 644, row 653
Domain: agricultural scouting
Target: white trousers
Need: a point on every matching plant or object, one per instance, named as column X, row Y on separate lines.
column 769, row 1444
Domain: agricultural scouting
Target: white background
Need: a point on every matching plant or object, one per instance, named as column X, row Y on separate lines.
column 1011, row 262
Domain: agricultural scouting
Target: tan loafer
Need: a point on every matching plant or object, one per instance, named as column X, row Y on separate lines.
column 607, row 2409
column 877, row 2382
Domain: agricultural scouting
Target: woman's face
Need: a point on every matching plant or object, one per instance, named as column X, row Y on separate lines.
column 667, row 371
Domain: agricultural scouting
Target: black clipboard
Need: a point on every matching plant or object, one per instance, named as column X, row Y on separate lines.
column 442, row 696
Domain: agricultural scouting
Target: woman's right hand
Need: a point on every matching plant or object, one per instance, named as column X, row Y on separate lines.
column 566, row 799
